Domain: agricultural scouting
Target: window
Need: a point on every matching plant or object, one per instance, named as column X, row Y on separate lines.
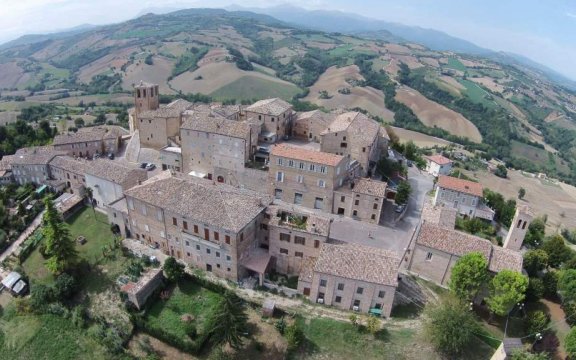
column 323, row 283
column 272, row 119
column 359, row 291
column 381, row 294
column 198, row 247
column 174, row 221
column 284, row 237
column 357, row 202
column 187, row 243
column 144, row 210
column 321, row 183
column 312, row 167
column 188, row 254
column 279, row 176
column 217, row 254
column 341, row 286
column 316, row 244
column 363, row 149
column 241, row 237
column 297, row 198
column 228, row 258
column 357, row 303
column 373, row 217
column 355, row 213
column 159, row 215
column 185, row 225
column 227, row 239
column 343, row 145
column 344, row 138
column 323, row 169
column 218, row 266
column 278, row 194
column 299, row 240
column 208, row 251
column 375, row 206
column 429, row 256
column 301, row 166
column 291, row 163
column 338, row 299
column 318, row 203
column 300, row 179
column 524, row 225
column 216, row 236
column 284, row 251
column 342, row 198
column 299, row 254
column 279, row 161
column 162, row 235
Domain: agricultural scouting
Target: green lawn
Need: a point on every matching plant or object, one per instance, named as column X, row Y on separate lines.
column 94, row 228
column 45, row 337
column 456, row 64
column 251, row 87
column 477, row 94
column 186, row 298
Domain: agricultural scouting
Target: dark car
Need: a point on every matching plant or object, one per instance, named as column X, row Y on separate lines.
column 143, row 165
column 111, row 156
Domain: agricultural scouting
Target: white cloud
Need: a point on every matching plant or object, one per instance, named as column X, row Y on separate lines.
column 572, row 15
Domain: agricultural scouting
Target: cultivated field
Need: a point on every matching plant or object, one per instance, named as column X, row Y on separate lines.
column 370, row 99
column 7, row 117
column 545, row 198
column 157, row 73
column 12, row 75
column 430, row 61
column 421, row 140
column 435, row 115
column 489, row 83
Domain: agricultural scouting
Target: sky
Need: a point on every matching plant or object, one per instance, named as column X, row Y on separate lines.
column 543, row 30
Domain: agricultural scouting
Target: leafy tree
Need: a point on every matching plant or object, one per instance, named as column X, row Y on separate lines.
column 79, row 122
column 536, row 289
column 535, row 261
column 567, row 285
column 550, row 281
column 449, row 326
column 557, row 251
column 506, row 289
column 373, row 324
column 403, row 192
column 468, row 275
column 89, row 195
column 100, row 119
column 173, row 269
column 65, row 286
column 536, row 322
column 228, row 321
column 501, row 171
column 40, row 296
column 570, row 343
column 394, row 139
column 535, row 233
column 525, row 355
column 60, row 248
column 521, row 193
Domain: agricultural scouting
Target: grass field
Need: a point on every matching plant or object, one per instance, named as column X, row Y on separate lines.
column 456, row 64
column 249, row 87
column 186, row 298
column 477, row 94
column 538, row 156
column 45, row 337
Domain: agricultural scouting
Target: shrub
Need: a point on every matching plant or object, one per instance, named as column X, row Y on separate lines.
column 40, row 297
column 65, row 286
column 535, row 290
column 550, row 281
column 536, row 322
column 280, row 325
column 294, row 336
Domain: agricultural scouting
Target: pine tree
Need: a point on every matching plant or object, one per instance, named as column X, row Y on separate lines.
column 60, row 248
column 228, row 321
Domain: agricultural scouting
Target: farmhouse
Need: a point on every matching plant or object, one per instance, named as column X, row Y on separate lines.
column 361, row 199
column 30, row 165
column 352, row 277
column 438, row 165
column 463, row 195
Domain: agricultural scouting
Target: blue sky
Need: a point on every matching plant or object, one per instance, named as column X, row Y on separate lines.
column 544, row 31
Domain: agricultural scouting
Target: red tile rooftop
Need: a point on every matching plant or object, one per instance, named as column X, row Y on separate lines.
column 439, row 159
column 460, row 185
column 298, row 153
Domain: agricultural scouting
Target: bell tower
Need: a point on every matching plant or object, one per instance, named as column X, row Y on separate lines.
column 145, row 97
column 518, row 228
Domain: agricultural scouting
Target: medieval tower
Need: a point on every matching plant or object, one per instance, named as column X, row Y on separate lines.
column 518, row 228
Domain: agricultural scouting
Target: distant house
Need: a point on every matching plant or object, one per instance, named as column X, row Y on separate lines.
column 463, row 195
column 438, row 165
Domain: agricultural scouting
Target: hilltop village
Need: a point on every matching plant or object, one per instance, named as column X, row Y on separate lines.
column 243, row 191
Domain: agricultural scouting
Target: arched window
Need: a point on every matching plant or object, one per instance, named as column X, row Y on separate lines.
column 220, row 179
column 524, row 225
column 519, row 223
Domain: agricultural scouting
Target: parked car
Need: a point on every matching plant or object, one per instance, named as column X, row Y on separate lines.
column 400, row 208
column 97, row 156
column 150, row 167
column 111, row 156
column 143, row 165
column 409, row 163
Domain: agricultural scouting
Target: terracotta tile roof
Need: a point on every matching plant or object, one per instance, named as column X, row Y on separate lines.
column 40, row 155
column 180, row 104
column 452, row 241
column 370, row 187
column 215, row 124
column 161, row 112
column 216, row 204
column 359, row 262
column 274, row 107
column 114, row 172
column 459, row 244
column 6, row 162
column 83, row 135
column 460, row 185
column 298, row 153
column 505, row 259
column 307, row 269
column 442, row 216
column 316, row 116
column 362, row 131
column 69, row 164
column 439, row 159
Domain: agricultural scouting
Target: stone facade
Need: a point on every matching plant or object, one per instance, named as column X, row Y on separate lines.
column 274, row 116
column 69, row 171
column 515, row 237
column 309, row 125
column 463, row 195
column 89, row 141
column 360, row 199
column 171, row 158
column 141, row 290
column 438, row 165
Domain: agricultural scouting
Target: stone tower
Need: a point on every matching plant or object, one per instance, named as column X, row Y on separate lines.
column 145, row 97
column 518, row 228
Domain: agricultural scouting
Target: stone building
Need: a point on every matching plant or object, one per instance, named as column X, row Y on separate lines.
column 108, row 180
column 355, row 135
column 306, row 177
column 146, row 97
column 6, row 176
column 310, row 124
column 438, row 165
column 70, row 172
column 156, row 127
column 30, row 165
column 212, row 226
column 293, row 237
column 89, row 141
column 171, row 158
column 463, row 195
column 138, row 292
column 437, row 249
column 518, row 228
column 360, row 199
column 352, row 277
column 210, row 140
column 273, row 115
